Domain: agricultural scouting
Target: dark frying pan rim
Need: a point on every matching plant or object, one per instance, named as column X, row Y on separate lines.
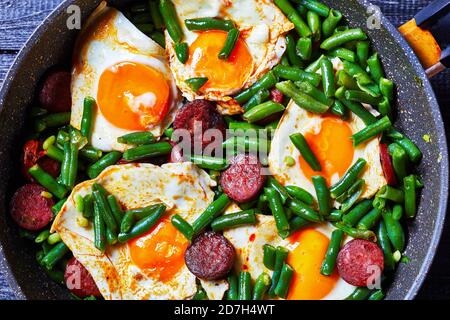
column 412, row 59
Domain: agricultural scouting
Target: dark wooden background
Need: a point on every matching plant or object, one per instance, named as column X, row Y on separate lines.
column 18, row 19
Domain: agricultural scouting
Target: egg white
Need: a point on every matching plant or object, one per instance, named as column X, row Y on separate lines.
column 185, row 189
column 109, row 38
column 264, row 27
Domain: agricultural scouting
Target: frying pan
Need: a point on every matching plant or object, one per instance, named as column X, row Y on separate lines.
column 418, row 115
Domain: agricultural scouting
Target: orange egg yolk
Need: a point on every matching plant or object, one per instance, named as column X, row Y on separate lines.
column 222, row 74
column 160, row 252
column 306, row 260
column 133, row 96
column 333, row 148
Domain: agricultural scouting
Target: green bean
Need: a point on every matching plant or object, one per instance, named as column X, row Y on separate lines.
column 356, row 233
column 375, row 67
column 340, row 38
column 387, row 88
column 343, row 53
column 273, row 183
column 105, row 210
column 245, row 283
column 300, row 194
column 262, row 284
column 384, row 107
column 88, row 206
column 54, row 255
column 335, row 216
column 291, row 52
column 213, row 210
column 210, row 163
column 65, row 165
column 278, row 212
column 204, row 24
column 47, row 181
column 169, row 15
column 266, row 82
column 348, row 179
column 230, row 44
column 247, row 144
column 280, row 257
column 302, row 146
column 377, row 295
column 147, row 151
column 143, row 225
column 269, row 256
column 183, row 226
column 200, row 294
column 409, row 185
column 300, row 25
column 369, row 220
column 346, row 81
column 314, row 24
column 116, row 209
column 132, row 216
column 182, row 52
column 302, row 210
column 260, row 97
column 88, row 117
column 304, row 48
column 362, row 97
column 372, row 131
column 298, row 223
column 263, row 111
column 297, row 74
column 334, row 246
column 301, row 99
column 339, row 109
column 397, row 212
column 323, row 195
column 231, row 220
column 107, row 160
column 137, row 138
column 243, row 126
column 284, row 281
column 196, row 83
column 351, row 200
column 360, row 293
column 90, row 154
column 315, row 65
column 385, row 244
column 55, row 153
column 316, row 6
column 394, row 231
column 359, row 110
column 315, row 93
column 155, row 14
column 232, row 293
column 43, row 236
column 75, row 144
column 368, row 87
column 328, row 84
column 52, row 121
column 330, row 23
column 159, row 38
column 99, row 229
column 58, row 206
column 362, row 52
column 379, row 203
column 391, row 193
column 414, row 153
column 358, row 212
column 357, row 72
column 111, row 237
column 54, row 238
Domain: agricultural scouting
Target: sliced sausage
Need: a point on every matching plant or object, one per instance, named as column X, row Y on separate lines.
column 276, row 96
column 29, row 209
column 210, row 256
column 386, row 164
column 79, row 281
column 243, row 180
column 360, row 261
column 198, row 117
column 54, row 94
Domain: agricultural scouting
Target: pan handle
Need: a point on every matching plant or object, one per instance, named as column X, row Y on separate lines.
column 427, row 32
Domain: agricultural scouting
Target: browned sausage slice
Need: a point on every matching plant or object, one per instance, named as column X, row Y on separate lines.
column 30, row 209
column 243, row 180
column 79, row 281
column 360, row 261
column 210, row 256
column 54, row 94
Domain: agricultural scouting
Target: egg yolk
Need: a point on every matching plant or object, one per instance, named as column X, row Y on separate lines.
column 306, row 260
column 133, row 96
column 221, row 74
column 160, row 252
column 333, row 148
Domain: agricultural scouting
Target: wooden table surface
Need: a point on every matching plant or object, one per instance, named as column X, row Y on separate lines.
column 18, row 19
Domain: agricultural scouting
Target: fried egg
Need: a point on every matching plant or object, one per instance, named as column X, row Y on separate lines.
column 128, row 75
column 259, row 48
column 330, row 139
column 152, row 265
column 307, row 248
